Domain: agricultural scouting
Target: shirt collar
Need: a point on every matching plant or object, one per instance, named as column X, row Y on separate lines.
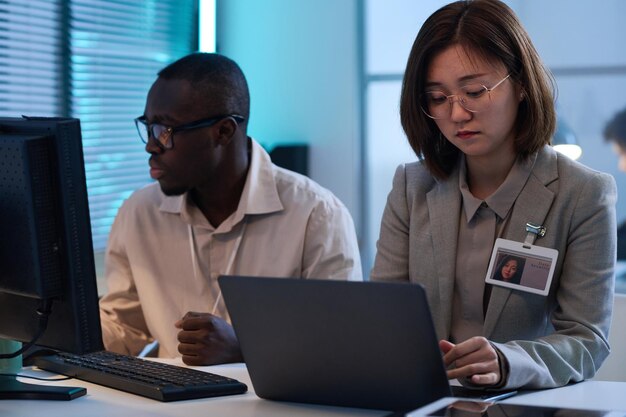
column 503, row 198
column 259, row 195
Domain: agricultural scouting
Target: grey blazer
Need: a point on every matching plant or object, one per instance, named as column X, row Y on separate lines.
column 547, row 341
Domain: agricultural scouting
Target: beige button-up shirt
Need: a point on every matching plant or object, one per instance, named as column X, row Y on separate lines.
column 163, row 256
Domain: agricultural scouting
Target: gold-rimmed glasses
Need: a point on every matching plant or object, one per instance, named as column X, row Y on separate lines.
column 473, row 97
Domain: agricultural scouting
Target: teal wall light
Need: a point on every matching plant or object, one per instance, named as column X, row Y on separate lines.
column 206, row 26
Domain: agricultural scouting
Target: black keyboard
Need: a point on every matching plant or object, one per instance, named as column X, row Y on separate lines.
column 150, row 379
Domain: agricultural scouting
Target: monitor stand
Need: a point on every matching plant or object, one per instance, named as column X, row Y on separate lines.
column 12, row 389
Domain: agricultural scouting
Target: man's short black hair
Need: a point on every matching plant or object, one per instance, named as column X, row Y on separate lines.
column 615, row 130
column 219, row 81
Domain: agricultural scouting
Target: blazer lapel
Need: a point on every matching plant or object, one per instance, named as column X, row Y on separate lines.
column 531, row 206
column 444, row 205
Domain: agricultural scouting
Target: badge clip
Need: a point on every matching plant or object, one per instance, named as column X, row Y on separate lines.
column 532, row 232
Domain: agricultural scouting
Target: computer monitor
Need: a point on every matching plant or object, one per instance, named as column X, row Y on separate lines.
column 48, row 291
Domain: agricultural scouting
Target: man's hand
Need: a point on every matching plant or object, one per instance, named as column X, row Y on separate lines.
column 475, row 359
column 206, row 339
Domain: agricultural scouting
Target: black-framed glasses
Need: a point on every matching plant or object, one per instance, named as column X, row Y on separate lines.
column 473, row 97
column 164, row 135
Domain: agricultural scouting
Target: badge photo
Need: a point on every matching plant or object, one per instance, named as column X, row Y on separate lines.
column 521, row 266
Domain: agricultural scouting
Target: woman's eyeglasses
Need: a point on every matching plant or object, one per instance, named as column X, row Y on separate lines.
column 473, row 98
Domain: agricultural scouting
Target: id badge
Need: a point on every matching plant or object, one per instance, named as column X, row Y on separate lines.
column 521, row 266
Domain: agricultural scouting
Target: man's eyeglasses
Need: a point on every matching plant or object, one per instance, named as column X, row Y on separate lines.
column 164, row 135
column 473, row 97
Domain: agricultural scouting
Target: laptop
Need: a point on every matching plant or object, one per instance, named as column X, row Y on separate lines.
column 342, row 343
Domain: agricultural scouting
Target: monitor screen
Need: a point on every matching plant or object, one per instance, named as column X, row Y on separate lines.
column 46, row 252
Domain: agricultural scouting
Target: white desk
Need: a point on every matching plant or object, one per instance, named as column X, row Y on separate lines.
column 101, row 401
column 105, row 402
column 588, row 395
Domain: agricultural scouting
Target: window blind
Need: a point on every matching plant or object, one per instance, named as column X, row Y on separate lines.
column 94, row 60
column 31, row 58
column 116, row 49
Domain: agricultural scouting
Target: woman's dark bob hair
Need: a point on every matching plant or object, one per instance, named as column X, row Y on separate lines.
column 490, row 30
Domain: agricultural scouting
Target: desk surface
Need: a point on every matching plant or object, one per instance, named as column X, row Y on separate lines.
column 589, row 395
column 102, row 401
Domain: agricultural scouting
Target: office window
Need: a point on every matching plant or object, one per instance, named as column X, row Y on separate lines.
column 94, row 60
column 116, row 49
column 31, row 58
column 385, row 144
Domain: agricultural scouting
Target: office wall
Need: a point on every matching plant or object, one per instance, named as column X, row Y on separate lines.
column 300, row 58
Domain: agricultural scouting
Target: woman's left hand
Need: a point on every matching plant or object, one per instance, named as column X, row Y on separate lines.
column 475, row 359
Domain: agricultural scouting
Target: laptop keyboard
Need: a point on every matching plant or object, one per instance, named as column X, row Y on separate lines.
column 159, row 381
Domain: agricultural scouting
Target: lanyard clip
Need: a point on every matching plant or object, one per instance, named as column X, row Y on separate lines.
column 532, row 232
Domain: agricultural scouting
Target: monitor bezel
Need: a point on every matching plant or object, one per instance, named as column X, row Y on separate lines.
column 74, row 321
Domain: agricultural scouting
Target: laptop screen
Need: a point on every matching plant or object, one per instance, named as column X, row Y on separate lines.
column 357, row 344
